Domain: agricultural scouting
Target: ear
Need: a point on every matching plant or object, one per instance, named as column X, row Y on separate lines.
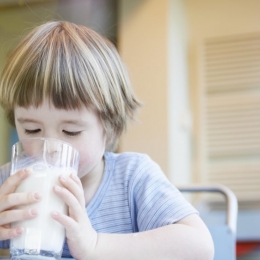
column 111, row 143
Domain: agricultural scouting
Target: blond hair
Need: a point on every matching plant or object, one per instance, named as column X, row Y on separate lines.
column 72, row 66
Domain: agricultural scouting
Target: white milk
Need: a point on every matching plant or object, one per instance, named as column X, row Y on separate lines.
column 43, row 232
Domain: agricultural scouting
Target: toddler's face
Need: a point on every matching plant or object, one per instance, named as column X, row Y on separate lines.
column 81, row 128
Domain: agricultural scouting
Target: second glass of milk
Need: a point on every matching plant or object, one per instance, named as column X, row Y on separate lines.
column 43, row 237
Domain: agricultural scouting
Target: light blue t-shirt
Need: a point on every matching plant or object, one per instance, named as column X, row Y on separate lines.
column 134, row 196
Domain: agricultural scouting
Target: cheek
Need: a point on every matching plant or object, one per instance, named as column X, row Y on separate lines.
column 32, row 149
column 29, row 148
column 90, row 156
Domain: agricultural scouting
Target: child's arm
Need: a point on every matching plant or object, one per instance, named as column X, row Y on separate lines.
column 9, row 199
column 187, row 239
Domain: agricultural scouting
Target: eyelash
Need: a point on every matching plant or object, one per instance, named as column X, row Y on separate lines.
column 71, row 133
column 31, row 132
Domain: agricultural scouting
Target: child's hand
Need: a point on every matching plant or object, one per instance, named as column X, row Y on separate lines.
column 81, row 237
column 9, row 199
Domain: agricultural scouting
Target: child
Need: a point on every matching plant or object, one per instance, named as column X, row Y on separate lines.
column 65, row 81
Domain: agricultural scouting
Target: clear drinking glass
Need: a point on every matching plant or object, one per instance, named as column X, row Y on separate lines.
column 43, row 237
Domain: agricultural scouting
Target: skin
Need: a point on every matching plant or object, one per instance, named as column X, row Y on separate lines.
column 83, row 129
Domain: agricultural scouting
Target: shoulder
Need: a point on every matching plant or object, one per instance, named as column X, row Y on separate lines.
column 134, row 167
column 128, row 158
column 130, row 161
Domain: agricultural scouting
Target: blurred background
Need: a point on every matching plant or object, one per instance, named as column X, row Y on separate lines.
column 195, row 65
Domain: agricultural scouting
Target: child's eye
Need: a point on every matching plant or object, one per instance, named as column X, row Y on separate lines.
column 71, row 133
column 31, row 132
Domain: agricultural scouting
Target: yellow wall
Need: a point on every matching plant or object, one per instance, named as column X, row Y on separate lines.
column 153, row 43
column 143, row 46
column 143, row 38
column 212, row 19
column 222, row 17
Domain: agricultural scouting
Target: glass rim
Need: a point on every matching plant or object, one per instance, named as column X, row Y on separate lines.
column 45, row 138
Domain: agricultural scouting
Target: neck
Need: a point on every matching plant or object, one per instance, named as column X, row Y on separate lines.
column 92, row 180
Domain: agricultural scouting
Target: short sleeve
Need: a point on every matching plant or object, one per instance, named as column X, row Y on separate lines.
column 4, row 244
column 4, row 174
column 155, row 201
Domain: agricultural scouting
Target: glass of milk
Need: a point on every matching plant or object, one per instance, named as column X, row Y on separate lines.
column 43, row 237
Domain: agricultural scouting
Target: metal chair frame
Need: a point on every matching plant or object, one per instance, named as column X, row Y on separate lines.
column 224, row 236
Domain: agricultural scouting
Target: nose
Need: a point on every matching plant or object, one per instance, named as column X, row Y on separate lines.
column 52, row 146
column 50, row 134
column 52, row 151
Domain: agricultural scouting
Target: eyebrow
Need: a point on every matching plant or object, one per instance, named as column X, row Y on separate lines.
column 72, row 122
column 25, row 120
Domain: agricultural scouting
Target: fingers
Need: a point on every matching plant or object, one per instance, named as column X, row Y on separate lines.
column 81, row 237
column 73, row 184
column 77, row 224
column 9, row 199
column 6, row 217
column 8, row 233
column 71, row 192
column 10, row 185
column 76, row 212
column 15, row 215
column 75, row 209
column 72, row 227
column 15, row 199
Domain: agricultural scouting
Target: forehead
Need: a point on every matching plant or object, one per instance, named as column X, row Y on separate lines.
column 47, row 112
